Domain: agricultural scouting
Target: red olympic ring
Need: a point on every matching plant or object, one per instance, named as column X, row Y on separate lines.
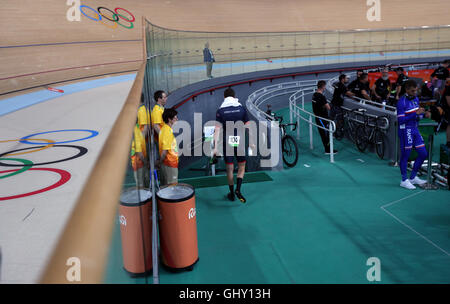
column 65, row 176
column 119, row 8
column 115, row 16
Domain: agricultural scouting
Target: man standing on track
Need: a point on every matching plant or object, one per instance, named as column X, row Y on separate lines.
column 408, row 113
column 229, row 114
column 208, row 58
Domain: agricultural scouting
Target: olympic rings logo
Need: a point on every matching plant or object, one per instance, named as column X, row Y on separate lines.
column 119, row 16
column 27, row 164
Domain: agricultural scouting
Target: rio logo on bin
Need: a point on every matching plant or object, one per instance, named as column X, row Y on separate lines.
column 191, row 213
column 122, row 220
column 119, row 16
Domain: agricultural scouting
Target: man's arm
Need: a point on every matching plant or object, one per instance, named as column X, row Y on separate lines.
column 374, row 91
column 365, row 94
column 157, row 128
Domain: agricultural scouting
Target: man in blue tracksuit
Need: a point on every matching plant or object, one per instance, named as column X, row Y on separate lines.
column 408, row 114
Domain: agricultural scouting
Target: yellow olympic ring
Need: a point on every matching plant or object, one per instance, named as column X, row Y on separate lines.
column 32, row 151
column 109, row 26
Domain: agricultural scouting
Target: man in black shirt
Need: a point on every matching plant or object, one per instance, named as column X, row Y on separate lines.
column 400, row 84
column 438, row 78
column 360, row 87
column 445, row 104
column 340, row 91
column 382, row 87
column 320, row 109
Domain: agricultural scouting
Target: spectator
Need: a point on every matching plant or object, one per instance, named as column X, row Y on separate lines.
column 408, row 113
column 400, row 84
column 340, row 91
column 320, row 109
column 438, row 78
column 360, row 86
column 139, row 161
column 232, row 111
column 381, row 90
column 445, row 104
column 208, row 58
column 168, row 148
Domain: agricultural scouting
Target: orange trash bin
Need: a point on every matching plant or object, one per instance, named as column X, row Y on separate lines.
column 135, row 217
column 177, row 227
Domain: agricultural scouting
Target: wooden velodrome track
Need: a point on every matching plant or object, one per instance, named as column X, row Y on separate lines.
column 39, row 46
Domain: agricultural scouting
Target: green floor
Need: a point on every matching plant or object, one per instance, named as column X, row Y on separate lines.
column 317, row 224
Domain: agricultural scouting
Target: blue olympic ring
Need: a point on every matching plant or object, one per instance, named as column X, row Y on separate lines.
column 24, row 139
column 98, row 14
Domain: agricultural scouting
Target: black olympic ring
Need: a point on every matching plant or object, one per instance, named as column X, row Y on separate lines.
column 82, row 151
column 113, row 13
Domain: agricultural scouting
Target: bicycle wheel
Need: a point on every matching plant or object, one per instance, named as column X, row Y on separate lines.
column 290, row 151
column 361, row 138
column 350, row 131
column 379, row 143
column 339, row 133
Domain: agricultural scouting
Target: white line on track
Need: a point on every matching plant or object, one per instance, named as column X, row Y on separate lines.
column 409, row 227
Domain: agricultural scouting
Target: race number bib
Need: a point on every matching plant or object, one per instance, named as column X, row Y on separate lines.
column 234, row 141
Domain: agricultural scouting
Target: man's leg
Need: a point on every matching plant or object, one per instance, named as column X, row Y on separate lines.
column 230, row 171
column 406, row 144
column 422, row 154
column 208, row 69
column 239, row 179
column 323, row 134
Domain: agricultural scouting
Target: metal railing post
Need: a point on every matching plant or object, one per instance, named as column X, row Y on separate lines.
column 330, row 125
column 394, row 163
column 298, row 124
column 310, row 133
column 429, row 185
column 290, row 111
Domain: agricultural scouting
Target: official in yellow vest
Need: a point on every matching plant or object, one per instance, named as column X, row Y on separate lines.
column 168, row 149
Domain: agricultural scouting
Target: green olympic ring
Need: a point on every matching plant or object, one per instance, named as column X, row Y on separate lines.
column 27, row 165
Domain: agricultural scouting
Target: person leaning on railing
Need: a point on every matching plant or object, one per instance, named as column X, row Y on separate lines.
column 321, row 109
column 340, row 91
column 360, row 87
column 445, row 104
column 381, row 89
column 168, row 148
column 438, row 78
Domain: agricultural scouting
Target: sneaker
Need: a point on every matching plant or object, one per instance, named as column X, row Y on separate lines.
column 240, row 197
column 417, row 181
column 407, row 184
column 328, row 152
column 230, row 196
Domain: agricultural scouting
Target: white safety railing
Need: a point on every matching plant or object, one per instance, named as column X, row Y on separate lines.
column 299, row 89
column 297, row 111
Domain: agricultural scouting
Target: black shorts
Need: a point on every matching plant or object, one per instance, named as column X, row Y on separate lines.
column 229, row 158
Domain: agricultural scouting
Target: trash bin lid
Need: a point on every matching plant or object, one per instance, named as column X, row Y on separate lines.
column 176, row 193
column 131, row 196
